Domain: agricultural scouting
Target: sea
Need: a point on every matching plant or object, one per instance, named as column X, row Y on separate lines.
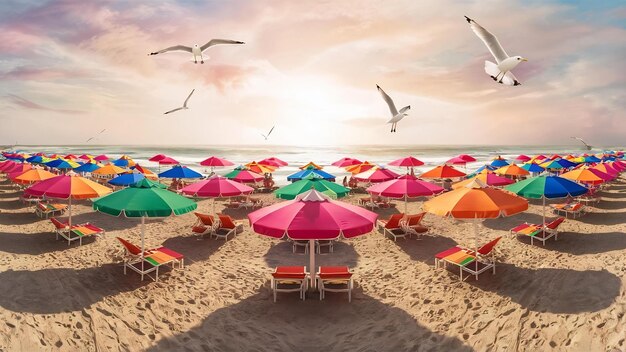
column 296, row 156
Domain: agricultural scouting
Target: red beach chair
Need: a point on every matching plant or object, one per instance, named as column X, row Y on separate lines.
column 289, row 279
column 335, row 279
column 227, row 227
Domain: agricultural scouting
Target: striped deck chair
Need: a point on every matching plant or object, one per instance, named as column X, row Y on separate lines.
column 151, row 259
column 76, row 232
column 573, row 209
column 289, row 279
column 47, row 209
column 535, row 232
column 468, row 260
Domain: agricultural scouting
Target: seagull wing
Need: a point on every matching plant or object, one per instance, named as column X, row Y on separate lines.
column 173, row 111
column 102, row 131
column 392, row 106
column 172, row 48
column 583, row 142
column 270, row 132
column 186, row 100
column 404, row 109
column 489, row 39
column 219, row 41
column 87, row 141
column 263, row 136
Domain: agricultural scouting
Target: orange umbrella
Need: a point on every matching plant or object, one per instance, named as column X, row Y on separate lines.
column 476, row 201
column 586, row 176
column 109, row 169
column 33, row 175
column 260, row 168
column 443, row 171
column 511, row 170
column 311, row 165
column 358, row 168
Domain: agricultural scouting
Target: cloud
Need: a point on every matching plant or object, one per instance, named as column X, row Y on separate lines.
column 27, row 104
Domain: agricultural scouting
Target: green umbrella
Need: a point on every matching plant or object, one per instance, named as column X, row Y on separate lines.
column 144, row 199
column 330, row 188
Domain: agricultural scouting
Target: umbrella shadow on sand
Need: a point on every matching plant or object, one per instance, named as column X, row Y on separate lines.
column 281, row 254
column 582, row 243
column 603, row 218
column 36, row 243
column 50, row 291
column 312, row 325
column 194, row 248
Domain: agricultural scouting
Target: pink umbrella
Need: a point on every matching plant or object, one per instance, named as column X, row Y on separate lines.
column 101, row 157
column 312, row 216
column 84, row 157
column 405, row 186
column 7, row 165
column 618, row 165
column 215, row 161
column 456, row 161
column 17, row 169
column 343, row 162
column 467, row 158
column 157, row 157
column 377, row 174
column 247, row 176
column 168, row 161
column 216, row 187
column 523, row 158
column 407, row 162
column 273, row 162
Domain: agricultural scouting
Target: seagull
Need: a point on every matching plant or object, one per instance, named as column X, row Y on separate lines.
column 395, row 115
column 505, row 62
column 197, row 50
column 583, row 142
column 184, row 107
column 268, row 133
column 90, row 138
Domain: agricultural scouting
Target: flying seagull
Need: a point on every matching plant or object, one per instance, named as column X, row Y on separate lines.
column 268, row 133
column 184, row 107
column 197, row 50
column 583, row 142
column 91, row 138
column 395, row 115
column 500, row 72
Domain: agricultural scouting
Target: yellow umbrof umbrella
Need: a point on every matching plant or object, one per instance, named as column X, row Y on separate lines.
column 476, row 201
column 109, row 169
column 260, row 168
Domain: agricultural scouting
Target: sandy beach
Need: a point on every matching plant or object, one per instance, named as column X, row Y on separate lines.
column 567, row 296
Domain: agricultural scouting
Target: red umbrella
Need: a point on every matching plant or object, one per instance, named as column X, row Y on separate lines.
column 377, row 174
column 407, row 162
column 215, row 161
column 17, row 168
column 246, row 176
column 70, row 157
column 457, row 161
column 523, row 158
column 312, row 216
column 101, row 157
column 443, row 171
column 405, row 187
column 7, row 165
column 167, row 161
column 216, row 187
column 273, row 162
column 157, row 157
column 343, row 162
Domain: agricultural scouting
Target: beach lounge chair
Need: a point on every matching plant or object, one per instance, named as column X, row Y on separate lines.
column 152, row 259
column 574, row 209
column 204, row 225
column 335, row 279
column 391, row 227
column 412, row 225
column 289, row 279
column 47, row 209
column 76, row 232
column 227, row 227
column 318, row 244
column 535, row 232
column 468, row 260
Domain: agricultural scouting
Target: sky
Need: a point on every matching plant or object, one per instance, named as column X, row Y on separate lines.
column 69, row 69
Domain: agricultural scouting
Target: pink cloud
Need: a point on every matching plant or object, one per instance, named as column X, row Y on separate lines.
column 27, row 104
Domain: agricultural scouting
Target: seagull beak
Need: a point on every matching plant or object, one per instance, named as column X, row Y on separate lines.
column 524, row 59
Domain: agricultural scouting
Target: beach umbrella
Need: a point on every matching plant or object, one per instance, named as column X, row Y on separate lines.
column 358, row 168
column 157, row 157
column 215, row 162
column 312, row 182
column 442, row 171
column 179, row 171
column 587, row 176
column 489, row 179
column 101, row 157
column 70, row 157
column 32, row 176
column 273, row 162
column 260, row 168
column 512, row 170
column 6, row 165
column 17, row 168
column 310, row 165
column 146, row 172
column 532, row 167
column 499, row 162
column 550, row 187
column 62, row 164
column 456, row 161
column 144, row 199
column 408, row 162
column 127, row 179
column 124, row 161
column 109, row 170
column 592, row 159
column 344, row 162
column 37, row 159
column 523, row 158
column 216, row 187
column 377, row 174
column 307, row 172
column 404, row 187
column 87, row 167
column 486, row 167
column 551, row 165
column 566, row 163
column 475, row 201
column 609, row 169
column 244, row 176
column 168, row 161
column 86, row 157
column 312, row 216
column 67, row 187
column 468, row 158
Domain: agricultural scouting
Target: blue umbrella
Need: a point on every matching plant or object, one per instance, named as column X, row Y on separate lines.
column 60, row 164
column 532, row 167
column 35, row 159
column 122, row 162
column 87, row 167
column 566, row 163
column 499, row 162
column 127, row 179
column 180, row 172
column 592, row 159
column 306, row 172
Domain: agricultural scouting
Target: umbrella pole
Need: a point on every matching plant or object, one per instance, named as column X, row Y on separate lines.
column 69, row 221
column 544, row 212
column 476, row 241
column 312, row 262
column 213, row 201
column 405, row 204
column 143, row 226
